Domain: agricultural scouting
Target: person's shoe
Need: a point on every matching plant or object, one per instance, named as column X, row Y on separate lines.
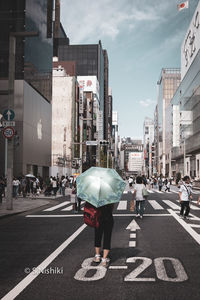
column 105, row 262
column 97, row 258
column 137, row 216
column 186, row 218
column 141, row 217
column 181, row 217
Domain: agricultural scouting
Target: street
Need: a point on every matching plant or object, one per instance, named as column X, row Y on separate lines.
column 47, row 253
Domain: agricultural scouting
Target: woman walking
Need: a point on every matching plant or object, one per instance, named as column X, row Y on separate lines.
column 104, row 230
column 138, row 195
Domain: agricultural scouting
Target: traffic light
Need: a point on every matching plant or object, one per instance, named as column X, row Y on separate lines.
column 16, row 139
column 103, row 143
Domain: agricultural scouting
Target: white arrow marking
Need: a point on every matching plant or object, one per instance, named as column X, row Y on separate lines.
column 133, row 226
column 9, row 114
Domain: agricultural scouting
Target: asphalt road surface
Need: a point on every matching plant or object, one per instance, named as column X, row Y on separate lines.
column 47, row 253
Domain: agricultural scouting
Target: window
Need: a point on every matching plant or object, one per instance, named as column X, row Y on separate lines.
column 146, row 130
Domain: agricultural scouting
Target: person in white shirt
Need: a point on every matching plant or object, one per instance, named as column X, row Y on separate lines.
column 185, row 195
column 16, row 184
column 140, row 201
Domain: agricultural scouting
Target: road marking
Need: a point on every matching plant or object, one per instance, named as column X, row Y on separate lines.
column 29, row 278
column 156, row 191
column 150, row 191
column 118, row 267
column 70, row 207
column 132, row 243
column 133, row 235
column 155, row 204
column 122, row 205
column 78, row 215
column 171, row 204
column 175, row 192
column 196, row 193
column 57, row 206
column 195, row 225
column 133, row 225
column 186, row 226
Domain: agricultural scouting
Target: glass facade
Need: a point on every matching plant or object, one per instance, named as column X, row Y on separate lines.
column 33, row 54
column 187, row 98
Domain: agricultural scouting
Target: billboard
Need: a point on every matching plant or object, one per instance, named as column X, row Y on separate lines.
column 89, row 84
column 191, row 43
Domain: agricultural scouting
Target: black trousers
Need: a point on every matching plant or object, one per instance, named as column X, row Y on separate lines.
column 105, row 231
column 185, row 206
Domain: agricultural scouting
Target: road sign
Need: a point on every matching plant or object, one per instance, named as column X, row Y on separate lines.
column 91, row 143
column 8, row 123
column 8, row 114
column 8, row 132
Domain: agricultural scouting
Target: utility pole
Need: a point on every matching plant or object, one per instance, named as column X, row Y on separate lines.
column 11, row 83
column 81, row 143
column 184, row 158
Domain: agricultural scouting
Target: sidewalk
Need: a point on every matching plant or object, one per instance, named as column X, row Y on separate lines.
column 25, row 204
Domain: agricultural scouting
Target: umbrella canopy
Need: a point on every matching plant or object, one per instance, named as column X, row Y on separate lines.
column 100, row 186
column 30, row 175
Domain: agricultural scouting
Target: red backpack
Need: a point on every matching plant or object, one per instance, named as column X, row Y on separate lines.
column 91, row 215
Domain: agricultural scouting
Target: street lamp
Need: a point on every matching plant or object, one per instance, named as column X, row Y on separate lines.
column 11, row 83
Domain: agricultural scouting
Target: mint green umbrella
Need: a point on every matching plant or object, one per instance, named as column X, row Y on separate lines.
column 100, row 186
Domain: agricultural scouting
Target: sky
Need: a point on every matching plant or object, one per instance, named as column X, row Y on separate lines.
column 141, row 37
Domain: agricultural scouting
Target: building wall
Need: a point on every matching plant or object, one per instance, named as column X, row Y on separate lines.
column 62, row 121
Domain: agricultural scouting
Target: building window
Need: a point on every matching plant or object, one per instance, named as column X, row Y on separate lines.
column 146, row 130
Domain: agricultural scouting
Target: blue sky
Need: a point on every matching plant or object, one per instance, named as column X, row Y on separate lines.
column 141, row 38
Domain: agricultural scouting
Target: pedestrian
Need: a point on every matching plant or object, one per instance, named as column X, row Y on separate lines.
column 138, row 195
column 54, row 185
column 198, row 201
column 71, row 180
column 16, row 184
column 185, row 195
column 160, row 184
column 104, row 230
column 152, row 181
column 64, row 180
column 23, row 186
column 167, row 186
column 130, row 181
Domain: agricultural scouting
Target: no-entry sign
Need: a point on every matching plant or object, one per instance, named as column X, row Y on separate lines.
column 8, row 132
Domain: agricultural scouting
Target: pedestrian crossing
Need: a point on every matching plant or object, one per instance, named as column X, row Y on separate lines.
column 124, row 205
column 162, row 192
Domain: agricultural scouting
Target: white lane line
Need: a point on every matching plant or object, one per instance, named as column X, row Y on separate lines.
column 132, row 243
column 78, row 215
column 175, row 192
column 70, row 207
column 118, row 267
column 196, row 193
column 122, row 205
column 150, row 191
column 29, row 278
column 133, row 235
column 186, row 226
column 57, row 206
column 195, row 225
column 171, row 204
column 156, row 191
column 192, row 206
column 155, row 204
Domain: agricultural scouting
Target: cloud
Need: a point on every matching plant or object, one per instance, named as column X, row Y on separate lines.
column 87, row 20
column 146, row 103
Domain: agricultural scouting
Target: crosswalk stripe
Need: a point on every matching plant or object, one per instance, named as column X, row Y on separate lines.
column 150, row 191
column 155, row 204
column 192, row 206
column 171, row 204
column 195, row 192
column 155, row 191
column 122, row 205
column 57, row 206
column 67, row 208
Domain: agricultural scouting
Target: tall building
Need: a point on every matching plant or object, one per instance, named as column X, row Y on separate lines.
column 148, row 139
column 167, row 85
column 33, row 82
column 185, row 123
column 106, row 92
column 64, row 122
